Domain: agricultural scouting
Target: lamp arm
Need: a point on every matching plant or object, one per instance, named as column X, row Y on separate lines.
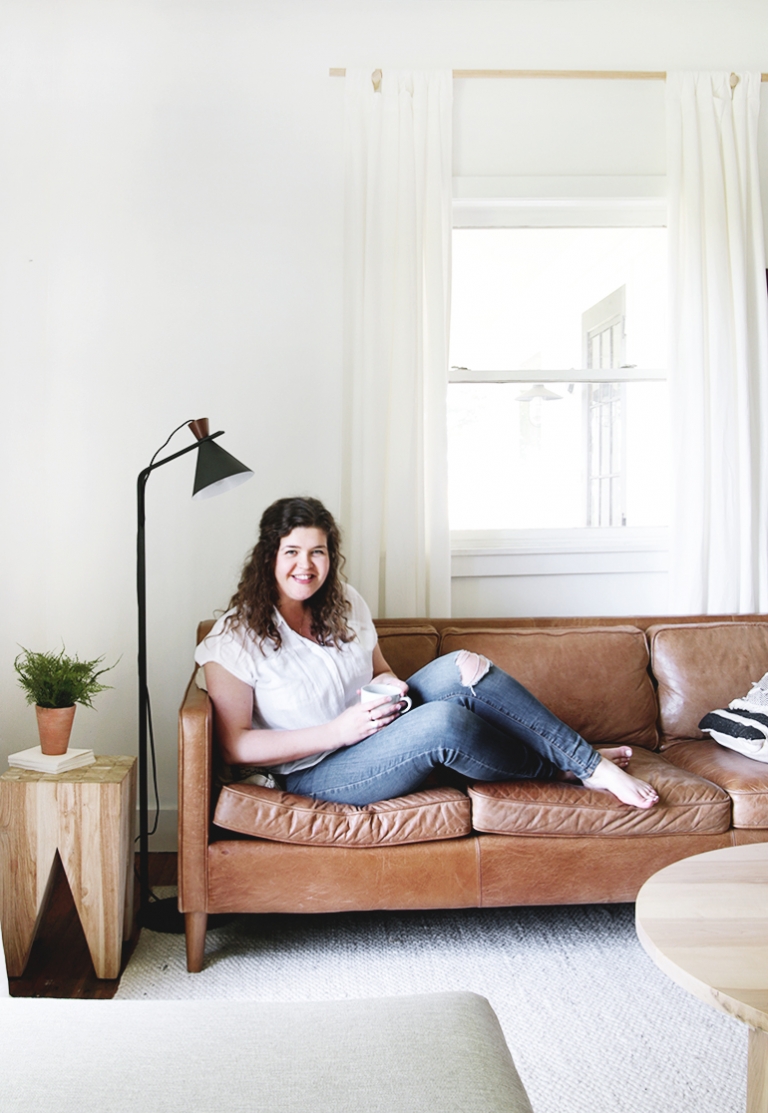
column 144, row 475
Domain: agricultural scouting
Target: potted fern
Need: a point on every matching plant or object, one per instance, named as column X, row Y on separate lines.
column 55, row 683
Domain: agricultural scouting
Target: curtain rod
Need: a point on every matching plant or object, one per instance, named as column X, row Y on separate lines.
column 585, row 75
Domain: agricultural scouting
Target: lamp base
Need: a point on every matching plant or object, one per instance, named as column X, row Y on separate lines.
column 163, row 916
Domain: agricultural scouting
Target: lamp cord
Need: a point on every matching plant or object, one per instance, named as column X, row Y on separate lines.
column 154, row 762
column 170, row 438
column 151, row 734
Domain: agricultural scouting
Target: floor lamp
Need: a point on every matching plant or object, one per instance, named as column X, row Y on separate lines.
column 215, row 473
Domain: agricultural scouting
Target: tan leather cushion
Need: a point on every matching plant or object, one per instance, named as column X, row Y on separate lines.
column 441, row 813
column 407, row 649
column 593, row 678
column 745, row 780
column 703, row 666
column 687, row 804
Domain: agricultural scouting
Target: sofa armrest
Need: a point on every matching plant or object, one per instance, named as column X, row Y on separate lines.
column 195, row 778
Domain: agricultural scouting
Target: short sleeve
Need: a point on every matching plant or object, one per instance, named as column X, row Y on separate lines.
column 360, row 620
column 234, row 650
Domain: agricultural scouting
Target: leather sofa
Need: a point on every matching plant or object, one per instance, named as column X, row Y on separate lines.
column 642, row 681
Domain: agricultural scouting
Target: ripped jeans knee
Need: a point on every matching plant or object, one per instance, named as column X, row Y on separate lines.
column 472, row 668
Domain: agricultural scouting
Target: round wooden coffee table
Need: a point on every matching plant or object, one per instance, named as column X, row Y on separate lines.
column 704, row 922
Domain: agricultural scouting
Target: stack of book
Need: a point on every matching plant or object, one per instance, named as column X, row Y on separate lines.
column 39, row 762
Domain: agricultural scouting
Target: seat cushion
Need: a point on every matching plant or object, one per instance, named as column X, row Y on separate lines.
column 687, row 804
column 266, row 813
column 594, row 678
column 701, row 666
column 745, row 781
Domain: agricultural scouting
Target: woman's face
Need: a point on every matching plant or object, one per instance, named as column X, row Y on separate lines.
column 302, row 564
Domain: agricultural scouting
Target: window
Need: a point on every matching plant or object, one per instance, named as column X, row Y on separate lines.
column 557, row 400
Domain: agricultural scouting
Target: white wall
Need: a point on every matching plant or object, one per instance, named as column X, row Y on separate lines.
column 171, row 246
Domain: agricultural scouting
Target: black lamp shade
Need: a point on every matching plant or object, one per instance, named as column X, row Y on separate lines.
column 217, row 471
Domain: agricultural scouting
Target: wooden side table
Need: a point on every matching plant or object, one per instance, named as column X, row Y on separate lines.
column 87, row 815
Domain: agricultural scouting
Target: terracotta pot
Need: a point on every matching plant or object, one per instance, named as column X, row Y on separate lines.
column 54, row 725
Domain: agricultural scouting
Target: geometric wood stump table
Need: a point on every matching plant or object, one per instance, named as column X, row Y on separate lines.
column 87, row 817
column 704, row 922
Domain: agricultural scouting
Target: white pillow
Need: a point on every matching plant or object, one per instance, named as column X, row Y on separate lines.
column 743, row 725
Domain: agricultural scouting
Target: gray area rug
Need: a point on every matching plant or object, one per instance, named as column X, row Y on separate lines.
column 593, row 1025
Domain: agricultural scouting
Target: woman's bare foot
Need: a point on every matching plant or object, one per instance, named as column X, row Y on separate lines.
column 619, row 755
column 630, row 790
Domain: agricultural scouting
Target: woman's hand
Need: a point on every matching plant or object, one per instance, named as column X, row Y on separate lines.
column 361, row 720
column 392, row 680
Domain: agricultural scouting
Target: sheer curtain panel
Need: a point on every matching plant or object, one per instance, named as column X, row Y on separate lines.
column 719, row 345
column 397, row 302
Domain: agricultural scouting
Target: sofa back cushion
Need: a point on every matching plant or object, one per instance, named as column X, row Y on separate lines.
column 702, row 666
column 407, row 648
column 594, row 678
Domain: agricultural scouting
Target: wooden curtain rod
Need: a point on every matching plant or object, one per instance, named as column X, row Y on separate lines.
column 581, row 75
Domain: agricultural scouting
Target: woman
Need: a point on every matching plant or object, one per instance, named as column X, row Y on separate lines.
column 284, row 668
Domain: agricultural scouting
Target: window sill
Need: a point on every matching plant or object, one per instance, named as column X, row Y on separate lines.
column 556, row 552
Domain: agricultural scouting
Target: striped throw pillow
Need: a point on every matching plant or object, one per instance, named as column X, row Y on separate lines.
column 743, row 724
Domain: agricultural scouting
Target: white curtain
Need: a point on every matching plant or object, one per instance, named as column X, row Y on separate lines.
column 719, row 345
column 397, row 301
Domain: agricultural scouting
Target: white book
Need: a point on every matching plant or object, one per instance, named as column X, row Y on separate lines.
column 39, row 762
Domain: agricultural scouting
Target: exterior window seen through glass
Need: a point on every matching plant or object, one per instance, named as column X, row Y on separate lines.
column 541, row 436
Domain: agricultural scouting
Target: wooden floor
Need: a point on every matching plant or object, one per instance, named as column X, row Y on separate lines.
column 60, row 965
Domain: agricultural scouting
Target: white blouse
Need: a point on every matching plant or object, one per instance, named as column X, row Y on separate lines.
column 301, row 684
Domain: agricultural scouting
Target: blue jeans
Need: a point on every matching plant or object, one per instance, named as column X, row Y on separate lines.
column 494, row 730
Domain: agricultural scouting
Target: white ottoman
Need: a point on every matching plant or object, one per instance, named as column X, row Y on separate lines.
column 436, row 1053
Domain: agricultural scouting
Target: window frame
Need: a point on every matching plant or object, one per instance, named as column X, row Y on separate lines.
column 576, row 549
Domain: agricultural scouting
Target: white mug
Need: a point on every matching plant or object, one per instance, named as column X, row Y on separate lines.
column 371, row 692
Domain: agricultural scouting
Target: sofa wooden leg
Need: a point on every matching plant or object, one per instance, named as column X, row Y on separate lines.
column 195, row 925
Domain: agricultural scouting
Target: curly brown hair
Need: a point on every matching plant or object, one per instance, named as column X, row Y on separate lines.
column 256, row 597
